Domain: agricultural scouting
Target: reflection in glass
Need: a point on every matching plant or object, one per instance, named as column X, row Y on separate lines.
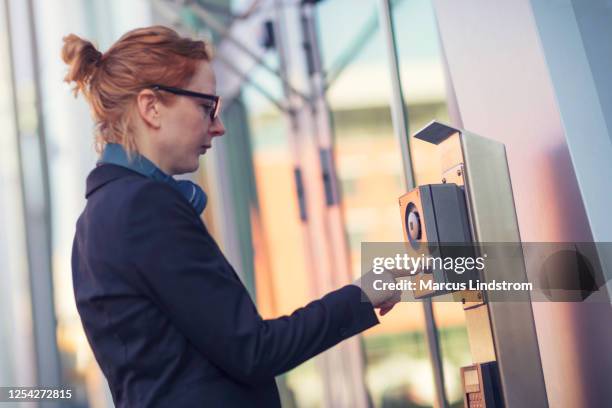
column 369, row 165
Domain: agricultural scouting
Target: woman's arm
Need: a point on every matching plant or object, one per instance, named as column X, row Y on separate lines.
column 183, row 271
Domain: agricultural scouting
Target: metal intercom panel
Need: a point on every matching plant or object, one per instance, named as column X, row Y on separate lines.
column 435, row 215
column 500, row 332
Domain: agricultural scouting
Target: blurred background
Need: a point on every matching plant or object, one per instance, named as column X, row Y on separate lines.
column 319, row 100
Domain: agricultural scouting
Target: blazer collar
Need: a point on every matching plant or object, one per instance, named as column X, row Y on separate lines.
column 104, row 174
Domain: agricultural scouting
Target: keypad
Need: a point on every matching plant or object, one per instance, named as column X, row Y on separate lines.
column 475, row 400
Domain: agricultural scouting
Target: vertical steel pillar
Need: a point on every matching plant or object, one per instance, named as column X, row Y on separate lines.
column 400, row 126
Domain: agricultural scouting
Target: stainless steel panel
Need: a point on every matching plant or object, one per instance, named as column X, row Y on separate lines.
column 494, row 220
column 501, row 331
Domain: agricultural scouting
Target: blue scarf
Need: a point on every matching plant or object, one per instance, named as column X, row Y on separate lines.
column 114, row 153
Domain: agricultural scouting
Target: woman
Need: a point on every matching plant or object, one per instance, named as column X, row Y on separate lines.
column 168, row 319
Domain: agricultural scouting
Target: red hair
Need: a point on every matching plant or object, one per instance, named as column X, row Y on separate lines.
column 111, row 81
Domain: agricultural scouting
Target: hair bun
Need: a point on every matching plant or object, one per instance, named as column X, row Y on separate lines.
column 82, row 58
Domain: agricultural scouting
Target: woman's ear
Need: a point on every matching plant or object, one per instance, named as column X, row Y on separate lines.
column 148, row 106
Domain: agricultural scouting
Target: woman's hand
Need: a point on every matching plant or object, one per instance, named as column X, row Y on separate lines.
column 380, row 297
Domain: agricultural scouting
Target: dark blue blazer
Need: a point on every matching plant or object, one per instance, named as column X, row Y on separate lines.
column 168, row 320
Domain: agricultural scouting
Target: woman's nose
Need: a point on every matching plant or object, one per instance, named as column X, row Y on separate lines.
column 217, row 128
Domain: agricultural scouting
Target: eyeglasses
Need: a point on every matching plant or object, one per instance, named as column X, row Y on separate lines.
column 214, row 109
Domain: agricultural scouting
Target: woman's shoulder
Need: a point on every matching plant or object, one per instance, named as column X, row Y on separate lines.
column 129, row 191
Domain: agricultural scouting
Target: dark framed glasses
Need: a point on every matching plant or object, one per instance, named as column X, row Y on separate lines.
column 214, row 109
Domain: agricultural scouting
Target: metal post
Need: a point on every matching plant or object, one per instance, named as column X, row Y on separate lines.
column 400, row 126
column 399, row 116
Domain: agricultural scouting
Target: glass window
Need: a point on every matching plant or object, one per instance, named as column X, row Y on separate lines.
column 283, row 282
column 369, row 165
column 17, row 359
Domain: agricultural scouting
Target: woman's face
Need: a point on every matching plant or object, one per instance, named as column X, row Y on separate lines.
column 186, row 129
